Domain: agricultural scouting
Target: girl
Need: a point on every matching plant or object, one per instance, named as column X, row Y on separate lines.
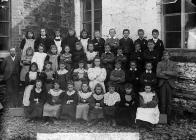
column 80, row 75
column 30, row 79
column 27, row 42
column 39, row 57
column 78, row 54
column 26, row 62
column 62, row 76
column 96, row 104
column 58, row 40
column 90, row 54
column 111, row 101
column 53, row 57
column 65, row 57
column 53, row 101
column 37, row 100
column 84, row 39
column 148, row 112
column 96, row 74
column 83, row 102
column 69, row 102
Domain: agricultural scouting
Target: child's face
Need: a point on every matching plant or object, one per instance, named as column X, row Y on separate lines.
column 81, row 65
column 111, row 89
column 67, row 49
column 38, row 85
column 137, row 47
column 84, row 34
column 78, row 47
column 119, row 51
column 97, row 62
column 132, row 65
column 155, row 35
column 148, row 66
column 97, row 34
column 128, row 90
column 90, row 47
column 126, row 34
column 48, row 66
column 56, row 86
column 43, row 32
column 70, row 87
column 147, row 89
column 166, row 56
column 141, row 34
column 98, row 90
column 62, row 66
column 84, row 87
column 150, row 45
column 53, row 50
column 41, row 49
column 112, row 33
column 107, row 48
column 117, row 65
column 57, row 33
column 33, row 68
column 71, row 32
column 30, row 34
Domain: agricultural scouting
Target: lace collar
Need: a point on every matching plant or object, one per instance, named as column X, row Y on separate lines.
column 84, row 95
column 69, row 93
column 62, row 71
column 98, row 97
column 55, row 93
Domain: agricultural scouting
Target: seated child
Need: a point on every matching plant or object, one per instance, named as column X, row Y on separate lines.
column 122, row 58
column 148, row 112
column 111, row 101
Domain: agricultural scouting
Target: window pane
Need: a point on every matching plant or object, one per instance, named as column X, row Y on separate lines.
column 173, row 23
column 87, row 5
column 98, row 26
column 172, row 7
column 98, row 4
column 3, row 43
column 190, row 6
column 87, row 16
column 4, row 13
column 98, row 15
column 4, row 28
column 173, row 39
column 87, row 26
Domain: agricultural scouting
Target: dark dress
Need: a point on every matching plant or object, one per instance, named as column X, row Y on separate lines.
column 62, row 78
column 148, row 78
column 133, row 76
column 137, row 56
column 78, row 56
column 48, row 79
column 70, row 41
column 127, row 46
column 123, row 60
column 99, row 45
column 143, row 43
column 68, row 106
column 47, row 42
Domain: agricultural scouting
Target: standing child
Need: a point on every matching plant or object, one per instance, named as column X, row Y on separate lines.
column 39, row 57
column 111, row 101
column 98, row 43
column 53, row 57
column 96, row 105
column 148, row 112
column 25, row 62
column 78, row 54
column 53, row 102
column 141, row 40
column 97, row 74
column 90, row 54
column 37, row 100
column 84, row 39
column 121, row 58
column 69, row 102
column 80, row 75
column 58, row 41
column 83, row 102
column 112, row 41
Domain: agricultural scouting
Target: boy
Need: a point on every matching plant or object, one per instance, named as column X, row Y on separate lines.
column 159, row 46
column 117, row 77
column 122, row 58
column 141, row 40
column 10, row 68
column 112, row 41
column 98, row 43
column 126, row 43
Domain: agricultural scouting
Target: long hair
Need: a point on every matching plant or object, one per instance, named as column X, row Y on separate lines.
column 97, row 57
column 34, row 63
column 26, row 35
column 83, row 32
column 52, row 46
column 99, row 85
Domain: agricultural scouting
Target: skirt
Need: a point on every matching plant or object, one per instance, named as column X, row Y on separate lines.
column 82, row 111
column 23, row 72
column 26, row 96
column 95, row 113
column 35, row 111
column 109, row 112
column 68, row 111
column 51, row 110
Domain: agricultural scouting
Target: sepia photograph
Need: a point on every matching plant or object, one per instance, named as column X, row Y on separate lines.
column 97, row 69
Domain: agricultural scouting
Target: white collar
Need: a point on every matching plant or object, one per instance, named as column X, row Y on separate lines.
column 55, row 93
column 108, row 52
column 155, row 40
column 58, row 37
column 120, row 55
column 13, row 58
column 43, row 36
column 62, row 71
column 84, row 95
column 138, row 51
column 111, row 37
column 148, row 71
column 133, row 69
column 98, row 97
column 117, row 69
column 70, row 93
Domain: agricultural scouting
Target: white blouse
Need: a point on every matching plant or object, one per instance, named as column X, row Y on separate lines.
column 147, row 97
column 97, row 73
column 111, row 99
column 84, row 43
column 90, row 55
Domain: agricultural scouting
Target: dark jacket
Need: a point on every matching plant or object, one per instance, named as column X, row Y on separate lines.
column 99, row 45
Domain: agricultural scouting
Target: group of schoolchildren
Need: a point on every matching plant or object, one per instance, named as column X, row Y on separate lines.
column 90, row 80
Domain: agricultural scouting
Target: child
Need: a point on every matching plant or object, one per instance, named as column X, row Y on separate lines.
column 39, row 57
column 37, row 100
column 27, row 42
column 70, row 40
column 90, row 54
column 26, row 62
column 133, row 75
column 96, row 105
column 111, row 101
column 84, row 39
column 126, row 43
column 69, row 102
column 53, row 57
column 80, row 75
column 78, row 54
column 53, row 102
column 58, row 41
column 65, row 57
column 43, row 39
column 117, row 77
column 137, row 56
column 141, row 40
column 121, row 58
column 127, row 106
column 98, row 43
column 159, row 46
column 151, row 55
column 148, row 77
column 148, row 112
column 97, row 74
column 10, row 69
column 112, row 41
column 83, row 102
column 62, row 76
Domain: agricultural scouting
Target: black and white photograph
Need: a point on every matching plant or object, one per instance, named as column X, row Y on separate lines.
column 97, row 69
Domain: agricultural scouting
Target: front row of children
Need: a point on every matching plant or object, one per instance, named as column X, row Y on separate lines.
column 125, row 108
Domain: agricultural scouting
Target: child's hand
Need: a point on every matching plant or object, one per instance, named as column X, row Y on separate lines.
column 126, row 104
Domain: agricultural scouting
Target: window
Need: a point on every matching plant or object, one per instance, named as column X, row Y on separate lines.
column 92, row 15
column 4, row 24
column 179, row 18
